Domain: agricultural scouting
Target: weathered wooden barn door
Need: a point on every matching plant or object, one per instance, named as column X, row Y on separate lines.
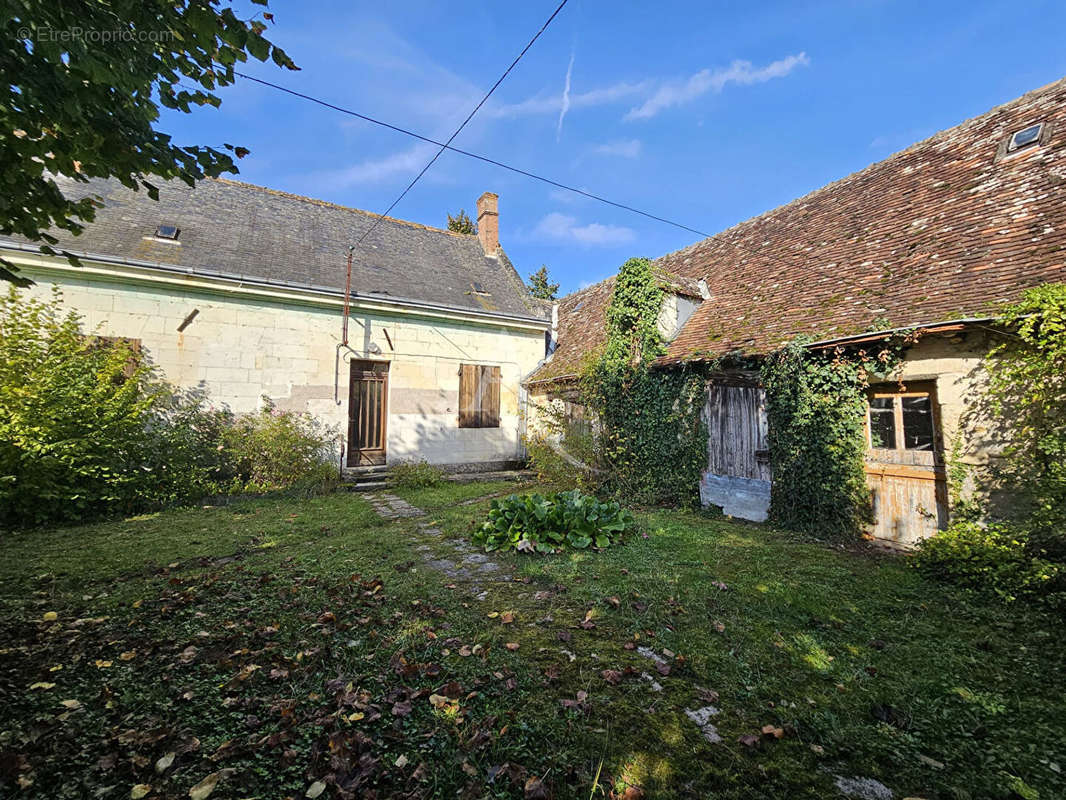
column 904, row 462
column 738, row 463
column 368, row 393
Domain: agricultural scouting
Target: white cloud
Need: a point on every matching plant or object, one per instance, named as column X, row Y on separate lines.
column 622, row 148
column 565, row 102
column 406, row 162
column 742, row 73
column 550, row 104
column 558, row 227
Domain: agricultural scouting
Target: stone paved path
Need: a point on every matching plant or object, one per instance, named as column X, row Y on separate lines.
column 456, row 558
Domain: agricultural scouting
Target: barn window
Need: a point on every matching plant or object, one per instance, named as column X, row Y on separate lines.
column 901, row 421
column 479, row 396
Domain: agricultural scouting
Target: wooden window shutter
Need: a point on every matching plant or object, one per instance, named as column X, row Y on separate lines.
column 469, row 375
column 490, row 397
column 479, row 396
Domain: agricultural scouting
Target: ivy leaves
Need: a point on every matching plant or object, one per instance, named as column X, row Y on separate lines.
column 651, row 435
column 816, row 406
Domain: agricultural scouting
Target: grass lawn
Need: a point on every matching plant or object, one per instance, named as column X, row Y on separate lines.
column 283, row 648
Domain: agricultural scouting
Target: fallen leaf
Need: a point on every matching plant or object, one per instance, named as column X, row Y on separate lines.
column 564, row 636
column 128, row 655
column 493, row 614
column 465, row 651
column 315, row 789
column 50, row 616
column 41, row 685
column 614, row 602
column 718, row 626
column 438, row 700
column 401, row 709
column 772, row 730
column 469, row 769
column 73, row 705
column 402, row 762
column 748, row 740
column 507, row 617
column 536, row 790
column 188, row 654
column 612, row 676
column 101, row 664
column 512, row 646
column 163, row 764
column 207, row 785
column 139, row 791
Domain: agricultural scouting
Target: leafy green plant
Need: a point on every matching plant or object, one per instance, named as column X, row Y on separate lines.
column 1027, row 399
column 544, row 524
column 87, row 103
column 277, row 449
column 992, row 559
column 87, row 428
column 652, row 442
column 416, row 475
column 815, row 407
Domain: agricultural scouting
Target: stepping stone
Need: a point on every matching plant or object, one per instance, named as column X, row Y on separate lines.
column 863, row 788
column 476, row 558
column 702, row 718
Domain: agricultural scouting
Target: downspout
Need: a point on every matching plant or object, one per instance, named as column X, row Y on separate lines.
column 344, row 329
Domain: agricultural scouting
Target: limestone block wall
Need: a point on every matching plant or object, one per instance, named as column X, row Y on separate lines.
column 240, row 347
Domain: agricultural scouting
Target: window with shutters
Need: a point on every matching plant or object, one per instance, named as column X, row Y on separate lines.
column 479, row 396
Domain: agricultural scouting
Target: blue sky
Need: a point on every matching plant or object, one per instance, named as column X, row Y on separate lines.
column 706, row 113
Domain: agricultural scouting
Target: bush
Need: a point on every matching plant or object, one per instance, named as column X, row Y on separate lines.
column 88, row 428
column 416, row 475
column 274, row 449
column 534, row 522
column 994, row 559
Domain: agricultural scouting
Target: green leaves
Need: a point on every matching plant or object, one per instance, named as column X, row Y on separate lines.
column 545, row 524
column 84, row 106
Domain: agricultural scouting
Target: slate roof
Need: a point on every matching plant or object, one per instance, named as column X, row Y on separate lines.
column 949, row 228
column 234, row 229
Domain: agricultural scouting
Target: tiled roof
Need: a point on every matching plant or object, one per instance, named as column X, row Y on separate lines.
column 239, row 230
column 948, row 228
column 581, row 331
column 582, row 317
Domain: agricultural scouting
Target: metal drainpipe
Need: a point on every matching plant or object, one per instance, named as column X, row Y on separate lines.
column 344, row 329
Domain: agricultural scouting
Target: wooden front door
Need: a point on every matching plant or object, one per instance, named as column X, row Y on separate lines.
column 368, row 392
column 905, row 463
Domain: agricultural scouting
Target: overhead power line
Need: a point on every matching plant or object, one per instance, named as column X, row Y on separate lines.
column 468, row 154
column 469, row 117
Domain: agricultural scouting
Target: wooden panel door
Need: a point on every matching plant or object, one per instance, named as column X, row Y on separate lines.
column 904, row 463
column 737, row 431
column 368, row 393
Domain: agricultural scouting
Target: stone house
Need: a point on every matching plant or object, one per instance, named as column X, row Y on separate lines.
column 935, row 238
column 242, row 290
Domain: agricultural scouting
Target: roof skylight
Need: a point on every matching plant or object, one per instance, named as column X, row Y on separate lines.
column 1025, row 137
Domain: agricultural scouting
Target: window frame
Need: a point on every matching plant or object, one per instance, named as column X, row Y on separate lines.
column 901, row 451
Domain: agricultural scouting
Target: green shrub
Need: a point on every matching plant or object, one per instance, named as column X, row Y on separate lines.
column 88, row 428
column 534, row 522
column 993, row 559
column 416, row 475
column 273, row 449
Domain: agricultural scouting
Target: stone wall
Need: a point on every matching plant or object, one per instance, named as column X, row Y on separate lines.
column 241, row 346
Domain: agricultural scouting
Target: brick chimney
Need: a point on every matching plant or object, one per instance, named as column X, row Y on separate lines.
column 488, row 223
